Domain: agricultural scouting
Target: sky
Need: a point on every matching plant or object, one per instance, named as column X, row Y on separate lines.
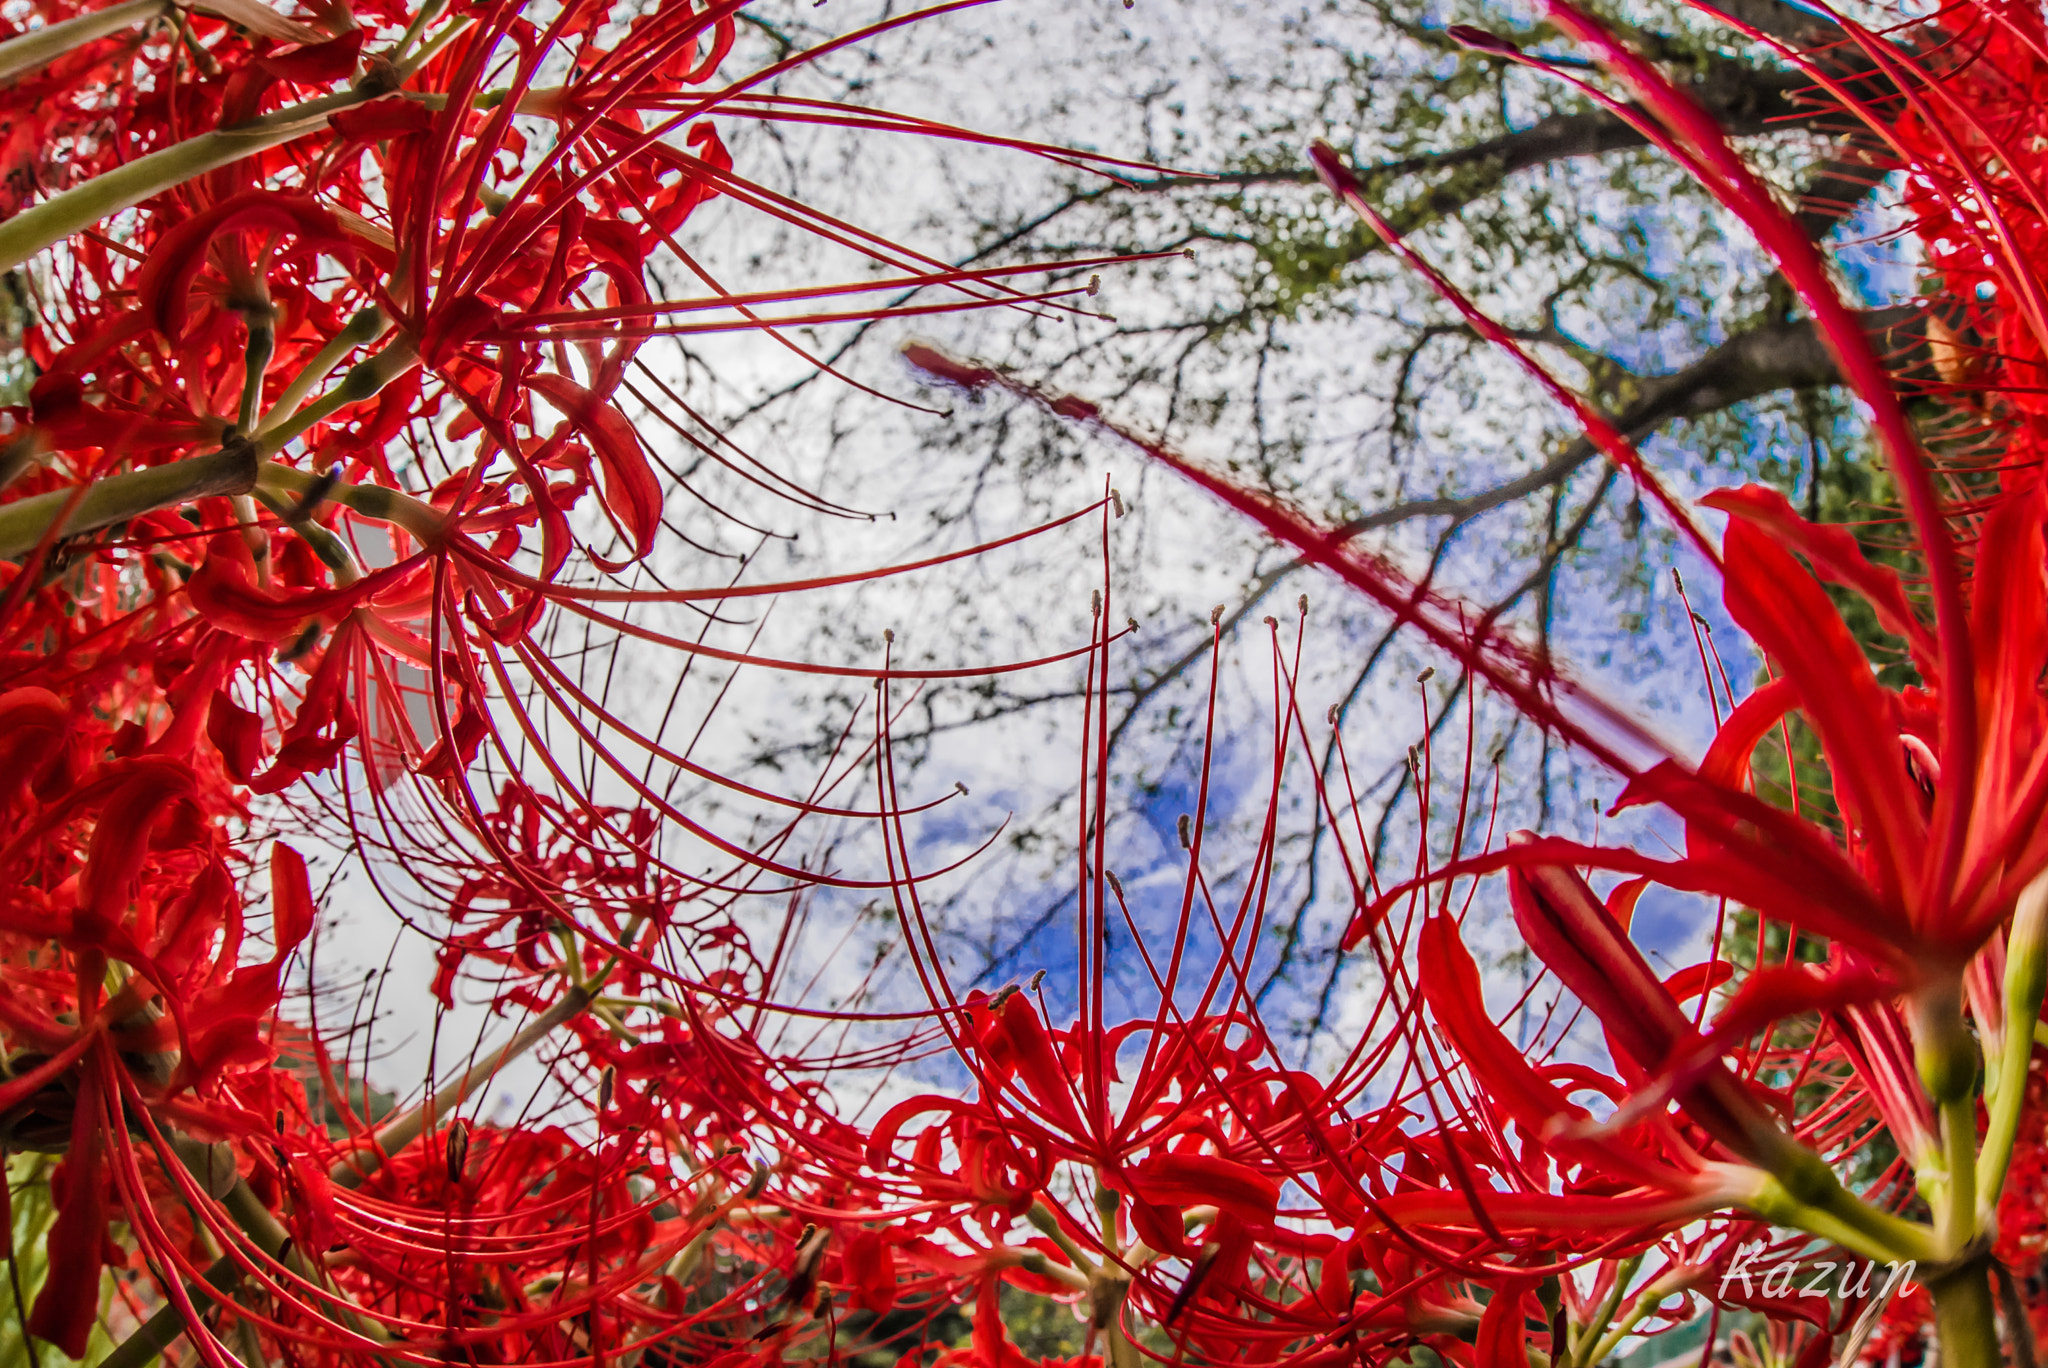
column 1308, row 404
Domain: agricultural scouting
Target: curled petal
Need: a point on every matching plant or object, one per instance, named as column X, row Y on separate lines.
column 630, row 490
column 166, row 281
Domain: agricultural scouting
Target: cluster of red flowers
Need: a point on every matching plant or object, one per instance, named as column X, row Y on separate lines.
column 1868, row 1087
column 339, row 319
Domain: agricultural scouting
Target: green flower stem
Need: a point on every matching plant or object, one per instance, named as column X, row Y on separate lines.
column 1042, row 1217
column 1956, row 1216
column 126, row 186
column 1107, row 1205
column 1965, row 1321
column 422, row 520
column 1638, row 1310
column 331, row 550
column 1584, row 1345
column 253, row 537
column 248, row 1341
column 262, row 345
column 363, row 381
column 1840, row 1217
column 40, row 47
column 1032, row 1261
column 427, row 51
column 117, row 498
column 428, row 13
column 2026, row 981
column 394, row 1136
column 233, row 470
column 1946, row 1057
column 366, row 327
column 545, row 102
column 257, row 1222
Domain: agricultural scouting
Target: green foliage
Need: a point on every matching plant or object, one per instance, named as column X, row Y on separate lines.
column 28, row 1191
column 17, row 372
column 1041, row 1327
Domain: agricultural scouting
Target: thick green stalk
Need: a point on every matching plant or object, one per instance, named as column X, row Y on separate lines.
column 2026, row 981
column 428, row 13
column 1965, row 1321
column 1639, row 1309
column 117, row 498
column 1042, row 1216
column 233, row 470
column 261, row 347
column 126, row 186
column 1585, row 1349
column 422, row 520
column 1809, row 1197
column 1945, row 1055
column 40, row 47
column 260, row 1225
column 332, row 550
column 1956, row 1215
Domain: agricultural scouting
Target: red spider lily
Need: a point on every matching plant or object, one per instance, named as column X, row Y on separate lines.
column 474, row 268
column 700, row 1192
column 1939, row 787
column 1184, row 1123
column 250, row 378
column 1178, row 1120
column 520, row 1244
column 1452, row 1226
column 244, row 315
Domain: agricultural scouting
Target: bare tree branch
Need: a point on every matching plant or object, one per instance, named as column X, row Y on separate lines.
column 1786, row 355
column 1747, row 101
column 1777, row 356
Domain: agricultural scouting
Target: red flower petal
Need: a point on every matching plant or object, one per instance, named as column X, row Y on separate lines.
column 1569, row 929
column 166, row 278
column 317, row 63
column 1836, row 556
column 1191, row 1180
column 631, row 492
column 1450, row 985
column 1788, row 614
column 68, row 1306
